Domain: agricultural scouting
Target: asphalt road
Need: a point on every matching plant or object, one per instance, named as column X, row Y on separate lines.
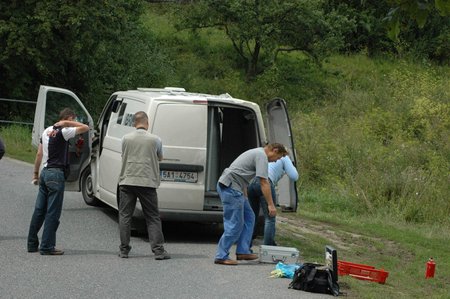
column 90, row 267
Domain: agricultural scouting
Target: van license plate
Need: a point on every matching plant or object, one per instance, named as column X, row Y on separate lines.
column 179, row 176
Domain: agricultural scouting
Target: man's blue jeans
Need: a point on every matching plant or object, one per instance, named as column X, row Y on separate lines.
column 47, row 209
column 257, row 200
column 238, row 222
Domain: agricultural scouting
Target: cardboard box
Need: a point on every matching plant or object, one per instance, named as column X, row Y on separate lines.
column 275, row 254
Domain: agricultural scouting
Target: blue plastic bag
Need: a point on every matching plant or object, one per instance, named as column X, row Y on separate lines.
column 287, row 270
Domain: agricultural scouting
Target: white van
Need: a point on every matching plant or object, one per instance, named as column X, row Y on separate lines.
column 201, row 135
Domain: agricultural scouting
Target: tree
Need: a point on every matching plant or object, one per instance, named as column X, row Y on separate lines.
column 90, row 47
column 369, row 32
column 420, row 37
column 260, row 29
column 418, row 10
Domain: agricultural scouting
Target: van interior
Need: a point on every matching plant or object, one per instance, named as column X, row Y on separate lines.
column 231, row 131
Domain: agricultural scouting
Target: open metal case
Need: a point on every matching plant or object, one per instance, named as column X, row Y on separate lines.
column 331, row 261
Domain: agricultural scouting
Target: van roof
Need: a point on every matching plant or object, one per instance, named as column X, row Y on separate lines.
column 179, row 93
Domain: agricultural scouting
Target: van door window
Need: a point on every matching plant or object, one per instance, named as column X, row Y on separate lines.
column 57, row 101
column 181, row 125
column 123, row 106
column 121, row 122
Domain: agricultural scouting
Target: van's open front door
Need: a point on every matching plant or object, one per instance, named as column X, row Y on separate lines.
column 279, row 130
column 51, row 100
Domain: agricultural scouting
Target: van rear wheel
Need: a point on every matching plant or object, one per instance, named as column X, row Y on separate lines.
column 87, row 188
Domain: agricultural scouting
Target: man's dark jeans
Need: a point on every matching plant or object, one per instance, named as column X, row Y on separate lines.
column 149, row 202
column 47, row 209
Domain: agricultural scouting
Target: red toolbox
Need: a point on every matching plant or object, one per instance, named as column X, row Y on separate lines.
column 361, row 271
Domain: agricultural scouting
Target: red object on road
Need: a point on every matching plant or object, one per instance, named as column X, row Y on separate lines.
column 363, row 272
column 431, row 267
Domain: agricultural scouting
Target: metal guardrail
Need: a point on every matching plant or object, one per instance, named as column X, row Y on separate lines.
column 16, row 122
column 17, row 101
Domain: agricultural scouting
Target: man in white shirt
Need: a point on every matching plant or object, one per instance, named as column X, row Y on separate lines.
column 53, row 151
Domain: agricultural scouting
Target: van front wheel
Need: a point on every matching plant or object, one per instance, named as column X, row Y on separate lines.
column 87, row 188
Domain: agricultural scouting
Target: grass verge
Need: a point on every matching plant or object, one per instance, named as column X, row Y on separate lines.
column 399, row 248
column 17, row 140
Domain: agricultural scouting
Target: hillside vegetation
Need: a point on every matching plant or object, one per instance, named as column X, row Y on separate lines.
column 373, row 147
column 372, row 134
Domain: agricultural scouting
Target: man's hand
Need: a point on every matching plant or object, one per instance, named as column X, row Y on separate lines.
column 265, row 188
column 272, row 211
column 37, row 164
column 35, row 179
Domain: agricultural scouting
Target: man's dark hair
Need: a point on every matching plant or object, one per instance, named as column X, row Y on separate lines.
column 140, row 117
column 280, row 147
column 66, row 113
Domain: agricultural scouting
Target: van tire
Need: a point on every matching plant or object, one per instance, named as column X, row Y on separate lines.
column 87, row 188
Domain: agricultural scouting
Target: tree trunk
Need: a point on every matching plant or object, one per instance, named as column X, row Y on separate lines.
column 252, row 70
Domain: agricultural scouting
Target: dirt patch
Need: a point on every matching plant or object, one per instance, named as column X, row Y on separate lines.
column 301, row 228
column 344, row 241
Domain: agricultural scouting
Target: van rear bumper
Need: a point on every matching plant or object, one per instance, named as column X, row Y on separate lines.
column 191, row 216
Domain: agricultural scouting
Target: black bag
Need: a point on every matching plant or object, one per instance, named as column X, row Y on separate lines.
column 314, row 278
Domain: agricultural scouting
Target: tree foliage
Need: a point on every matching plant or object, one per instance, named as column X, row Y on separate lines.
column 424, row 33
column 260, row 29
column 369, row 32
column 90, row 47
column 418, row 10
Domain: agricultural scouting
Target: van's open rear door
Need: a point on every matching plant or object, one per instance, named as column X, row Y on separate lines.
column 51, row 100
column 279, row 130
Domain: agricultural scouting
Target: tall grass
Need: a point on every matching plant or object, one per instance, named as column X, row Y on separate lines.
column 17, row 140
column 384, row 142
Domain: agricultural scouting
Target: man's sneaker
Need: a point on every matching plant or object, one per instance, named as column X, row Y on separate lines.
column 123, row 255
column 53, row 252
column 33, row 246
column 124, row 252
column 162, row 256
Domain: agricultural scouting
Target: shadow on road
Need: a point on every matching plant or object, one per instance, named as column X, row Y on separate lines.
column 174, row 232
column 182, row 232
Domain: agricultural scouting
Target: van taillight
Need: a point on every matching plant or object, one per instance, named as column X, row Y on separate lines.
column 201, row 102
